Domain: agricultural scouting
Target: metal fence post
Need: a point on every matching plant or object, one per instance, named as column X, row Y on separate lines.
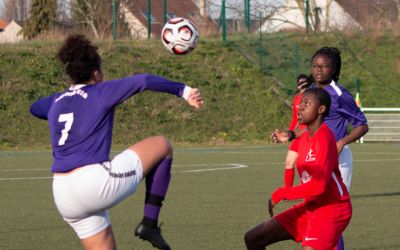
column 260, row 47
column 148, row 19
column 165, row 11
column 223, row 17
column 307, row 15
column 114, row 19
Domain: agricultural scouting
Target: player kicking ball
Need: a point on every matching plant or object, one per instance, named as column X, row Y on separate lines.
column 326, row 210
column 86, row 182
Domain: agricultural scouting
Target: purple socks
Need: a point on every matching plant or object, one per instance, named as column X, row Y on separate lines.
column 157, row 182
column 340, row 245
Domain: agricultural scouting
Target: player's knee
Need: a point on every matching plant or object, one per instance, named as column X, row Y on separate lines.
column 165, row 144
column 249, row 240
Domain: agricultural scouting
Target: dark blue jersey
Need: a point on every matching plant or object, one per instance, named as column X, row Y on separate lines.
column 81, row 118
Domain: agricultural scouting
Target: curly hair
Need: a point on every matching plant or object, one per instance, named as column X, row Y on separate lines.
column 334, row 55
column 301, row 76
column 79, row 57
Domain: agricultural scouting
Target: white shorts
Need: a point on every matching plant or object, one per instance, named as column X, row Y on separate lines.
column 346, row 166
column 83, row 196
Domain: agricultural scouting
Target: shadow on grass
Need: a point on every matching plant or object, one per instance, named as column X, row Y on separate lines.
column 360, row 196
column 395, row 246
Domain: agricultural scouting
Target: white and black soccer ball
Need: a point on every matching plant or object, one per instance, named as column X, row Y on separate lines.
column 179, row 36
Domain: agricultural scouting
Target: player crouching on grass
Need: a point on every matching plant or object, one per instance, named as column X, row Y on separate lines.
column 86, row 183
column 326, row 211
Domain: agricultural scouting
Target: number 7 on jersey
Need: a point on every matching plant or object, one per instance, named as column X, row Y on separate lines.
column 68, row 119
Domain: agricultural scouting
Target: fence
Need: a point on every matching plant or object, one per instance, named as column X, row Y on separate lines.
column 247, row 25
column 384, row 124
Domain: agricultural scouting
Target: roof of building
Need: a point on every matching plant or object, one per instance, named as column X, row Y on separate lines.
column 371, row 12
column 175, row 8
column 3, row 24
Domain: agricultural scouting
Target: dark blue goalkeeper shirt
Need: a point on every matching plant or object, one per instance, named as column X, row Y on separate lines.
column 81, row 118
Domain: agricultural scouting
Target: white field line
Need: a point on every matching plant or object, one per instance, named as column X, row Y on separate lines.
column 25, row 170
column 231, row 166
column 26, row 178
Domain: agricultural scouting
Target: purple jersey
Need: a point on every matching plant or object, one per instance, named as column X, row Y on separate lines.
column 343, row 111
column 81, row 118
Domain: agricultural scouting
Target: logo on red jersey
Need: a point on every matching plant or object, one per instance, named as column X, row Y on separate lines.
column 305, row 177
column 310, row 156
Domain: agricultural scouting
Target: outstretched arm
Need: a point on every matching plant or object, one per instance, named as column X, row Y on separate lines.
column 116, row 91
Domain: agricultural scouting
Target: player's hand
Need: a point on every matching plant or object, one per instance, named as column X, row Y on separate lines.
column 280, row 136
column 271, row 206
column 340, row 145
column 195, row 99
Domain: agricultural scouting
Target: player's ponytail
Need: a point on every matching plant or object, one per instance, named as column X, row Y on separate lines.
column 79, row 57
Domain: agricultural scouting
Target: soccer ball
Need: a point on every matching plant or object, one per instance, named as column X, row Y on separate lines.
column 179, row 36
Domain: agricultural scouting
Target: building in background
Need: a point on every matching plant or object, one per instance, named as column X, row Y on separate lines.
column 135, row 16
column 326, row 15
column 3, row 25
column 11, row 33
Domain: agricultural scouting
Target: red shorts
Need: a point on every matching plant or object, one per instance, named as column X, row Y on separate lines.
column 318, row 227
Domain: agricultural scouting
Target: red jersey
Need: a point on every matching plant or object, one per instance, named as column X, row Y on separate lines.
column 318, row 168
column 295, row 110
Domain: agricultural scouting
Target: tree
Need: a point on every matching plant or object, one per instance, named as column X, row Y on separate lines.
column 42, row 16
column 14, row 10
column 398, row 9
column 96, row 15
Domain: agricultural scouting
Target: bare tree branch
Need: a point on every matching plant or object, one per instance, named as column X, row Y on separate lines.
column 15, row 10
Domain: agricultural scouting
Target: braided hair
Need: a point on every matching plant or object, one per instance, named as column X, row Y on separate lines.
column 334, row 55
column 79, row 57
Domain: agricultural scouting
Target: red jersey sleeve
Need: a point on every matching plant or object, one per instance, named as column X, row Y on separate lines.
column 326, row 157
column 295, row 108
column 294, row 146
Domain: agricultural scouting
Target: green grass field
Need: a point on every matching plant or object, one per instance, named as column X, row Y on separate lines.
column 216, row 195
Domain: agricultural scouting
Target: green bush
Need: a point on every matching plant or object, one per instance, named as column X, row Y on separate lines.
column 241, row 101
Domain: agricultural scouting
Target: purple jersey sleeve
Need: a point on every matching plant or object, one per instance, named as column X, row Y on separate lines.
column 116, row 91
column 40, row 108
column 350, row 110
column 343, row 111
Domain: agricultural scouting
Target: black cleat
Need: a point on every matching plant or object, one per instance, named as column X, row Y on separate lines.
column 152, row 235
